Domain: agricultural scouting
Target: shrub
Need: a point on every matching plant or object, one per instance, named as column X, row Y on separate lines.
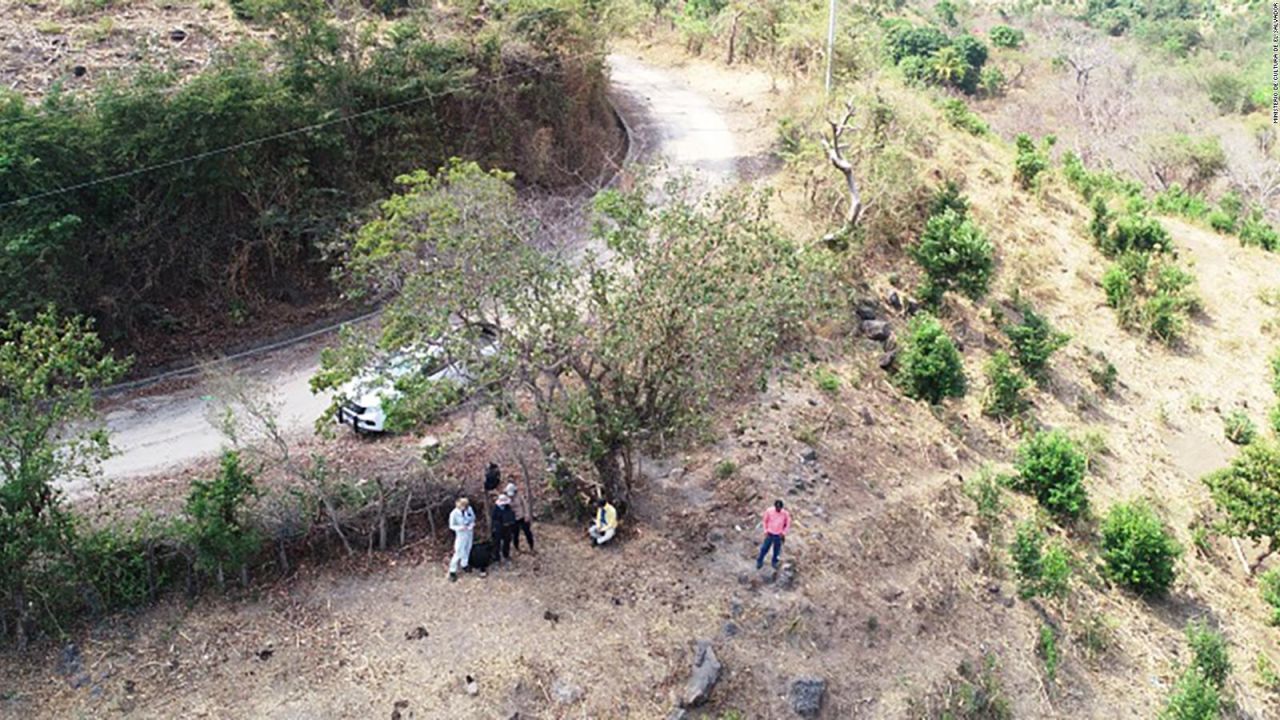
column 959, row 116
column 1047, row 651
column 1274, row 361
column 725, row 469
column 985, row 491
column 1138, row 550
column 216, row 524
column 904, row 40
column 1238, row 428
column 1101, row 222
column 948, row 197
column 931, row 368
column 955, row 255
column 1177, row 201
column 1051, row 468
column 1222, row 222
column 1003, row 395
column 1138, row 232
column 1273, row 416
column 1034, row 341
column 1209, row 653
column 1030, row 162
column 828, row 382
column 1247, row 492
column 991, row 82
column 1041, row 570
column 1003, row 36
column 1193, row 698
column 1256, row 232
column 1269, row 588
column 1103, row 373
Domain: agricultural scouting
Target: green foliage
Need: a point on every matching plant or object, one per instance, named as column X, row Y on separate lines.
column 1041, row 570
column 987, row 495
column 217, row 524
column 1268, row 679
column 827, row 381
column 1238, row 428
column 1002, row 397
column 1269, row 588
column 1194, row 697
column 1183, row 161
column 1247, row 492
column 1138, row 550
column 1103, row 372
column 925, row 53
column 1030, row 161
column 959, row 116
column 49, row 367
column 725, row 469
column 991, row 82
column 955, row 255
column 948, row 197
column 1255, row 231
column 1209, row 653
column 1034, row 341
column 1047, row 651
column 976, row 694
column 1003, row 36
column 930, row 367
column 1174, row 200
column 1051, row 468
column 1135, row 232
column 1152, row 293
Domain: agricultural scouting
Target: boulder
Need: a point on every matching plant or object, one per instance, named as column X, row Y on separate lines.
column 867, row 310
column 887, row 359
column 806, row 695
column 705, row 675
column 876, row 329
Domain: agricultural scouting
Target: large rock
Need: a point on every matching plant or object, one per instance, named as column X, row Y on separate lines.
column 876, row 329
column 867, row 310
column 806, row 695
column 705, row 675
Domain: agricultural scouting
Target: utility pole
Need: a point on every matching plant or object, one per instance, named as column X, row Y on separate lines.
column 831, row 42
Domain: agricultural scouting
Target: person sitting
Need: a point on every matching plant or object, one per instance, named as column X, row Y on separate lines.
column 605, row 523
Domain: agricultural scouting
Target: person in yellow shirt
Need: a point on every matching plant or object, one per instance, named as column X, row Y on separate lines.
column 605, row 523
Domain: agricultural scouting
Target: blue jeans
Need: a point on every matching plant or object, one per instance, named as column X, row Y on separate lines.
column 770, row 540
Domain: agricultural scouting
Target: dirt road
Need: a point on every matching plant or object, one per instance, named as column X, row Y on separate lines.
column 152, row 431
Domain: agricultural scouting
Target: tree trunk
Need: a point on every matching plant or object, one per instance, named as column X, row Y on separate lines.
column 20, row 605
column 733, row 37
column 612, row 481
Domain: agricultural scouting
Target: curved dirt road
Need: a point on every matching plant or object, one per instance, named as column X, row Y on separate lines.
column 670, row 123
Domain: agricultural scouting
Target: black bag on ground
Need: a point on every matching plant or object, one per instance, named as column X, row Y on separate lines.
column 481, row 554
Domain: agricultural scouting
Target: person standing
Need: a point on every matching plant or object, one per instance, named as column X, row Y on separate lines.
column 605, row 523
column 524, row 517
column 503, row 525
column 776, row 524
column 462, row 521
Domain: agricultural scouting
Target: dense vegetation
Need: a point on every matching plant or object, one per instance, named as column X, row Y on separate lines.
column 185, row 200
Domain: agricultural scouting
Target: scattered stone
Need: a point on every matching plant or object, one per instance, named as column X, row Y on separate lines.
column 79, row 70
column 887, row 359
column 473, row 687
column 787, row 575
column 809, row 456
column 729, row 629
column 867, row 310
column 69, row 660
column 913, row 307
column 130, row 687
column 715, row 536
column 566, row 693
column 429, row 442
column 177, row 34
column 891, row 594
column 678, row 714
column 551, row 617
column 706, row 672
column 417, row 633
column 876, row 329
column 397, row 707
column 866, row 414
column 894, row 301
column 807, row 694
column 735, row 607
column 265, row 654
column 81, row 680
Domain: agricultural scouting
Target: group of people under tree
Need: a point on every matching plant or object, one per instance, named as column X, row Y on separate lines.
column 512, row 515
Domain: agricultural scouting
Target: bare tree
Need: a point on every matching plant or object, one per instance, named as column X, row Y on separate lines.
column 836, row 154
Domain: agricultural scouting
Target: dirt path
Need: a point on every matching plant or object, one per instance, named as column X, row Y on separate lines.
column 671, row 123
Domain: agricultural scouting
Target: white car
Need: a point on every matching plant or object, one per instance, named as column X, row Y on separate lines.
column 363, row 401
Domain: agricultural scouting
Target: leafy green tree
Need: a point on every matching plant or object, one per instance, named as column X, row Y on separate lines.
column 1051, row 468
column 49, row 367
column 600, row 352
column 1209, row 653
column 955, row 255
column 1138, row 550
column 1003, row 395
column 1042, row 570
column 930, row 367
column 1003, row 36
column 1247, row 493
column 1030, row 161
column 1194, row 697
column 217, row 522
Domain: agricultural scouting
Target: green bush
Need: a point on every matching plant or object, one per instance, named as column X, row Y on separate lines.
column 1051, row 468
column 991, row 82
column 1030, row 161
column 959, row 116
column 1238, row 428
column 1247, row 492
column 1042, row 570
column 1034, row 341
column 1273, row 416
column 1103, row 373
column 1138, row 550
column 1209, row 653
column 1274, row 362
column 1255, row 231
column 1047, row 651
column 930, row 366
column 1269, row 588
column 925, row 53
column 217, row 525
column 948, row 197
column 955, row 255
column 1003, row 36
column 987, row 495
column 1135, row 232
column 1221, row 221
column 1193, row 698
column 1003, row 395
column 1174, row 200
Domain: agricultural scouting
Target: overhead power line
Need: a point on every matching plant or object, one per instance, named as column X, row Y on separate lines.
column 258, row 141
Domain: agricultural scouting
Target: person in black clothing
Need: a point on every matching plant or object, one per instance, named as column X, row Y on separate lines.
column 503, row 524
column 492, row 477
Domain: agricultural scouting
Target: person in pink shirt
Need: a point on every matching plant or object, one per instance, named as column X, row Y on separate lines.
column 776, row 524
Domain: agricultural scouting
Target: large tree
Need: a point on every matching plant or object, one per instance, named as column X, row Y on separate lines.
column 49, row 367
column 602, row 349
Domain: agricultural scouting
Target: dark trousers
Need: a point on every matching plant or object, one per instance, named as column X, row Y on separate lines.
column 527, row 527
column 770, row 540
column 502, row 542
